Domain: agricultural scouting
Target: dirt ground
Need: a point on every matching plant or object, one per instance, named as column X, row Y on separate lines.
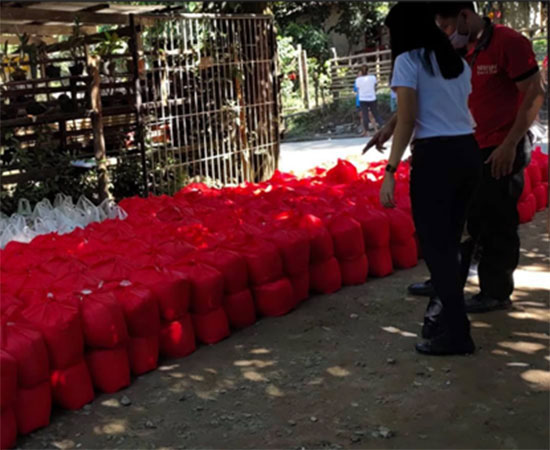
column 341, row 372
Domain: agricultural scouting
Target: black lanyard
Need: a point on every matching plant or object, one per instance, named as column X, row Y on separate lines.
column 484, row 41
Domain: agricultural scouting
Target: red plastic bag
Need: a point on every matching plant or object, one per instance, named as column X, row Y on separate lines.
column 172, row 292
column 109, row 368
column 102, row 319
column 206, row 285
column 541, row 196
column 534, row 173
column 342, row 173
column 325, row 277
column 230, row 264
column 8, row 380
column 140, row 308
column 376, row 227
column 27, row 346
column 143, row 353
column 295, row 249
column 322, row 246
column 240, row 309
column 401, row 227
column 114, row 268
column 354, row 271
column 211, row 327
column 61, row 329
column 275, row 298
column 380, row 261
column 527, row 187
column 33, row 407
column 348, row 237
column 9, row 305
column 525, row 211
column 263, row 260
column 177, row 338
column 300, row 286
column 8, row 425
column 404, row 255
column 72, row 386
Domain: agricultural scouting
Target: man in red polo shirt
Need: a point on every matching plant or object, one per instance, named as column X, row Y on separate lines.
column 507, row 94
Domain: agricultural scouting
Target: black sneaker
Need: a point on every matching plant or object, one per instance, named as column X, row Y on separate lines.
column 433, row 323
column 481, row 303
column 424, row 289
column 445, row 344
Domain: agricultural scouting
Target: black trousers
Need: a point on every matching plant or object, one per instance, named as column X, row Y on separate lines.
column 445, row 174
column 492, row 225
column 373, row 107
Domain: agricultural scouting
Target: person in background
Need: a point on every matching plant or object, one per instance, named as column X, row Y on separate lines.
column 366, row 88
column 358, row 103
column 432, row 84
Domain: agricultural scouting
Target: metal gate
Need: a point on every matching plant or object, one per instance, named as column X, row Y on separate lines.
column 208, row 106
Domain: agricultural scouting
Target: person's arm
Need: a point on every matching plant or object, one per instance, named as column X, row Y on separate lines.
column 519, row 62
column 406, row 120
column 502, row 159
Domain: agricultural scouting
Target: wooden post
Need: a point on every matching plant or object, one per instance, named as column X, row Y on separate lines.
column 378, row 64
column 316, row 86
column 136, row 51
column 306, row 79
column 97, row 128
column 300, row 70
column 333, row 73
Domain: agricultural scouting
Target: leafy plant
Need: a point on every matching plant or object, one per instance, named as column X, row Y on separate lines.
column 111, row 44
column 50, row 172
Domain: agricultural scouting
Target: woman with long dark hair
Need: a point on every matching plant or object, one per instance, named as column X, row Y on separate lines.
column 432, row 83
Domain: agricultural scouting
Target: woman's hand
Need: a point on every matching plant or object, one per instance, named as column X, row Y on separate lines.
column 379, row 139
column 387, row 190
column 381, row 136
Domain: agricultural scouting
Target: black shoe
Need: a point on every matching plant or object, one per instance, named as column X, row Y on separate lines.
column 424, row 289
column 433, row 324
column 481, row 303
column 446, row 344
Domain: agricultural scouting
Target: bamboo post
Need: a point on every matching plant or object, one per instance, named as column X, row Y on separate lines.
column 306, row 79
column 97, row 128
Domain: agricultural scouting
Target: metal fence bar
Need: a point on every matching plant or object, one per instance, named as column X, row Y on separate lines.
column 210, row 100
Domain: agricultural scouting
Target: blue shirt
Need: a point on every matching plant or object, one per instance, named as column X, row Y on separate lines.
column 442, row 103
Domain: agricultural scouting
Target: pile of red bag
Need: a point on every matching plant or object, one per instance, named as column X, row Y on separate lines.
column 534, row 196
column 84, row 312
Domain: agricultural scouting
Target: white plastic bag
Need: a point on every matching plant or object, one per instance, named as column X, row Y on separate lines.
column 61, row 217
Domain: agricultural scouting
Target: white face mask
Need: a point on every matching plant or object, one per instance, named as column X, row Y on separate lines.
column 459, row 40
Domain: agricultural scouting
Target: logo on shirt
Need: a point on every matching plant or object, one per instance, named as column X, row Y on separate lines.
column 487, row 69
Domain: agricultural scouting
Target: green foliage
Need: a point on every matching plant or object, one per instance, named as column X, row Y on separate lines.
column 126, row 177
column 360, row 21
column 320, row 120
column 111, row 44
column 313, row 40
column 540, row 48
column 46, row 158
column 312, row 13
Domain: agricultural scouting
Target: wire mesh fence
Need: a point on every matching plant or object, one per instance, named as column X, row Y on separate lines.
column 208, row 99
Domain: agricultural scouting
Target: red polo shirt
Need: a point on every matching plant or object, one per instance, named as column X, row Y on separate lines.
column 506, row 57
